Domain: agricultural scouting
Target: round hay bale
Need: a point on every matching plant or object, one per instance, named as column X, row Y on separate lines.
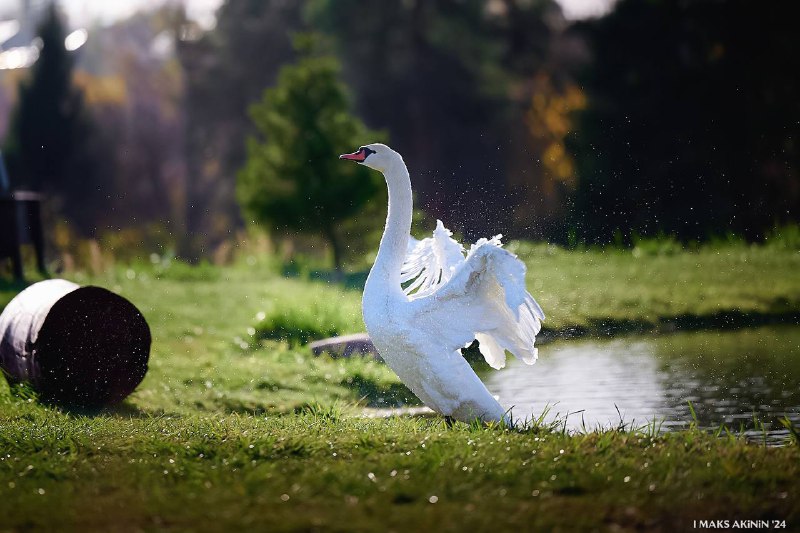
column 75, row 346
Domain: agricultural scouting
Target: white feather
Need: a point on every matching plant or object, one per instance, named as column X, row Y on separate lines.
column 487, row 293
column 431, row 262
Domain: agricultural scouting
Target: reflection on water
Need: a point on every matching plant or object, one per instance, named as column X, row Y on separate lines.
column 728, row 376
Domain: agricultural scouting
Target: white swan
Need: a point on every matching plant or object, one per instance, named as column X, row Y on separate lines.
column 424, row 301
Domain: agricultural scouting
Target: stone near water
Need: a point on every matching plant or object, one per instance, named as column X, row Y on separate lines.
column 346, row 346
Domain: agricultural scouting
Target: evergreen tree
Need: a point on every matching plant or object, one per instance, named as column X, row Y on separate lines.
column 292, row 179
column 51, row 139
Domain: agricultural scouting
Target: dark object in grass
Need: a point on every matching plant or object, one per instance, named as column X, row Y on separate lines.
column 76, row 346
column 21, row 222
column 346, row 346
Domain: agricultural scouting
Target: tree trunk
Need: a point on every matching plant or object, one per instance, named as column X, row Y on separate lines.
column 333, row 238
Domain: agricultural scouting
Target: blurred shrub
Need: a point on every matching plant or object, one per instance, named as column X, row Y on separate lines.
column 314, row 312
column 301, row 324
column 787, row 237
column 131, row 243
column 174, row 269
column 660, row 245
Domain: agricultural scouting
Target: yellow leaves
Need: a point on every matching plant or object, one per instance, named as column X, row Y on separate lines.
column 716, row 52
column 549, row 121
column 101, row 89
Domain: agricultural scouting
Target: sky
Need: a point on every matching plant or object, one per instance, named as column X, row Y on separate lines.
column 83, row 12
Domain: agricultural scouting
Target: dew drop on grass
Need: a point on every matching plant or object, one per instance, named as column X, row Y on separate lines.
column 393, row 473
column 627, row 478
column 433, row 499
column 284, row 497
column 40, row 491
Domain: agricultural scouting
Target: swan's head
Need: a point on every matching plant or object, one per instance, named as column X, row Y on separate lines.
column 376, row 156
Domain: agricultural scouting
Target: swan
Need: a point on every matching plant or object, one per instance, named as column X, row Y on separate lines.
column 424, row 301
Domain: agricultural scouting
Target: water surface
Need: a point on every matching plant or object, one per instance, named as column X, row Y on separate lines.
column 728, row 376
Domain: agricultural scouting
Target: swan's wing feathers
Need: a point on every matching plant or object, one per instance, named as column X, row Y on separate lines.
column 430, row 262
column 487, row 293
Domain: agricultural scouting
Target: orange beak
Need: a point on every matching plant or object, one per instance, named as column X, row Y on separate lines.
column 358, row 156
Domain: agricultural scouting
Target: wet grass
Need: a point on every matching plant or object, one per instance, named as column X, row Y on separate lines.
column 319, row 469
column 232, row 430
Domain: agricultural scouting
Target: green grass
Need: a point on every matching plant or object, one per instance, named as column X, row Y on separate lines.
column 232, row 430
column 319, row 469
column 597, row 291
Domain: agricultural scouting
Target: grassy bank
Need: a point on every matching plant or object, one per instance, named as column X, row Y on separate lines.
column 600, row 291
column 319, row 471
column 234, row 429
column 591, row 291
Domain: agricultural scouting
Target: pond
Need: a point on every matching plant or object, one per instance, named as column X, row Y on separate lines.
column 729, row 377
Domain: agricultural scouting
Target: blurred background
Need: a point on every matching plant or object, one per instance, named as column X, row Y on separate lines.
column 196, row 128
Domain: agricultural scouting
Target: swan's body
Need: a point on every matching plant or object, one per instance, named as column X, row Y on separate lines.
column 448, row 301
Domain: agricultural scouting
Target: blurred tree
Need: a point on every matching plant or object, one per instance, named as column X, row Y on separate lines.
column 133, row 87
column 225, row 71
column 448, row 79
column 693, row 119
column 547, row 186
column 52, row 143
column 292, row 179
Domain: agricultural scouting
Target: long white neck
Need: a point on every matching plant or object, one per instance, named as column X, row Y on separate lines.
column 394, row 243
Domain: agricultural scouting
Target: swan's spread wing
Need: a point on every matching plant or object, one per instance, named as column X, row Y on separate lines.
column 430, row 262
column 485, row 299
